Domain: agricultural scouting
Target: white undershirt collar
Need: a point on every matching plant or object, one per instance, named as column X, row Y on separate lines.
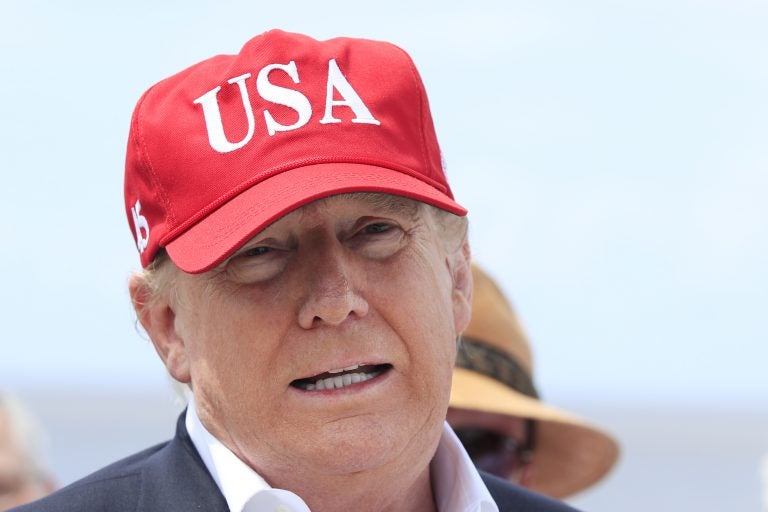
column 457, row 484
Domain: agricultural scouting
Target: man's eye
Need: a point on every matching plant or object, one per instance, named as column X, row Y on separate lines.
column 255, row 264
column 256, row 251
column 378, row 240
column 378, row 227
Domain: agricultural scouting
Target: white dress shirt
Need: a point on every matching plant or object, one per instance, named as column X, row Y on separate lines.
column 457, row 484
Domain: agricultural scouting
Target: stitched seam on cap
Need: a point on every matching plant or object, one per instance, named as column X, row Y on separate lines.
column 147, row 161
column 419, row 87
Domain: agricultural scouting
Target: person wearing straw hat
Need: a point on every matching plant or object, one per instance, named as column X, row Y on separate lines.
column 306, row 273
column 496, row 411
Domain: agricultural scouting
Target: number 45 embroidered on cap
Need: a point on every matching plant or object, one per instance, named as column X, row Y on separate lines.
column 140, row 224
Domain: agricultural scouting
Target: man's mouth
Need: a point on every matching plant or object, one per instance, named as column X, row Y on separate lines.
column 342, row 377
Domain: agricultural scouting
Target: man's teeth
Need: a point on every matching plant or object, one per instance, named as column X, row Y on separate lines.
column 340, row 381
column 348, row 369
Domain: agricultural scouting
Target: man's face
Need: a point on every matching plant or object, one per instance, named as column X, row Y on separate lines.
column 326, row 343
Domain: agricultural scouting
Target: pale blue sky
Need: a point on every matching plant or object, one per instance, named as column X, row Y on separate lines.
column 612, row 154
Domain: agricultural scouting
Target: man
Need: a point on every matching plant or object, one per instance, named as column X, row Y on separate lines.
column 23, row 473
column 306, row 273
column 497, row 414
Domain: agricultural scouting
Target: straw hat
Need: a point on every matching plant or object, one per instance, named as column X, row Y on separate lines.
column 493, row 379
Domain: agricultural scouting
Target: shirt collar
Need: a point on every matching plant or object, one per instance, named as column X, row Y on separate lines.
column 457, row 484
column 235, row 479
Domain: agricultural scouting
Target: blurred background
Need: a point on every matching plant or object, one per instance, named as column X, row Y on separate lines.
column 612, row 155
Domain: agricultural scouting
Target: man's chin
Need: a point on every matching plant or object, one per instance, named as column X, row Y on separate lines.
column 356, row 445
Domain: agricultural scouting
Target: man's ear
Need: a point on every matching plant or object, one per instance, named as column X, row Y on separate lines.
column 158, row 318
column 462, row 287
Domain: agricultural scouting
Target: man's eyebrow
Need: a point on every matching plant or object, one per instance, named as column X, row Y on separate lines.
column 389, row 203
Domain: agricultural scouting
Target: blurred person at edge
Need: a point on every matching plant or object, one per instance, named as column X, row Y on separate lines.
column 497, row 414
column 764, row 480
column 308, row 276
column 24, row 476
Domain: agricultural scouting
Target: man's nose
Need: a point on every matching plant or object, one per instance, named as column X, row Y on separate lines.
column 331, row 296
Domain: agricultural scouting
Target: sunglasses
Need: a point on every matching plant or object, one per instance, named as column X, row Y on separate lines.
column 497, row 453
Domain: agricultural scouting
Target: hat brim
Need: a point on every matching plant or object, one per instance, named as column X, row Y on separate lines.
column 569, row 454
column 219, row 234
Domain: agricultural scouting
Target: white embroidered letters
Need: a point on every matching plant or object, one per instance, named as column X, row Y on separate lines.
column 215, row 126
column 336, row 82
column 140, row 224
column 283, row 96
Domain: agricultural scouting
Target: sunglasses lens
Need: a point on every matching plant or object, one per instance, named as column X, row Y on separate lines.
column 491, row 451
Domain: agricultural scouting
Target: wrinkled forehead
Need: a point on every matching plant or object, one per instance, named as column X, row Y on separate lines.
column 375, row 201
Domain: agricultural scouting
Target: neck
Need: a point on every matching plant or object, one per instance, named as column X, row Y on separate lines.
column 400, row 484
column 385, row 475
column 380, row 492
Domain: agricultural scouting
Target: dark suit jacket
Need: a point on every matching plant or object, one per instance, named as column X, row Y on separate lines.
column 171, row 477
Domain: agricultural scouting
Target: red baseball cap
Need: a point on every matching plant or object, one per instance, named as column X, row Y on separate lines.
column 222, row 149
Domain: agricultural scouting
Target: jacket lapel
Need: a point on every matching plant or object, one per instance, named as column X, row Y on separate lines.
column 176, row 479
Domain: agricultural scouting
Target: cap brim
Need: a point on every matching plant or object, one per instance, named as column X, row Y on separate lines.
column 569, row 454
column 219, row 234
